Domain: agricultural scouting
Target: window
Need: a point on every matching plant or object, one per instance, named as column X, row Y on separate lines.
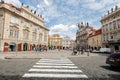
column 11, row 33
column 114, row 25
column 26, row 24
column 25, row 34
column 118, row 24
column 14, row 20
column 14, row 33
column 111, row 37
column 34, row 36
column 34, row 29
column 40, row 38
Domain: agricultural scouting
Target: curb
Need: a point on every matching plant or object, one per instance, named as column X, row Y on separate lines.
column 20, row 58
column 83, row 56
column 80, row 56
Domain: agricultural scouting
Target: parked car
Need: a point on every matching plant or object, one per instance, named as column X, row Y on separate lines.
column 105, row 50
column 113, row 60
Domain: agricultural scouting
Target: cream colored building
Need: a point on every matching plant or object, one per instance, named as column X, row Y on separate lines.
column 95, row 40
column 82, row 35
column 67, row 42
column 55, row 41
column 21, row 29
column 111, row 29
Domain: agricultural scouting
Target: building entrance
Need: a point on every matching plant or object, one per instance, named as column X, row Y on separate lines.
column 25, row 47
column 12, row 46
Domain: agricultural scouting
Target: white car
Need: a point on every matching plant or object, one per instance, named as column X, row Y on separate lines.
column 105, row 50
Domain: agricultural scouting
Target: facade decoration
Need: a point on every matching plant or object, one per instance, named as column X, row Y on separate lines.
column 111, row 29
column 21, row 29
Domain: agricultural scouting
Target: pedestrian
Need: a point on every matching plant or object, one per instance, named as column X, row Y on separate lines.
column 82, row 50
column 74, row 51
column 78, row 50
column 46, row 48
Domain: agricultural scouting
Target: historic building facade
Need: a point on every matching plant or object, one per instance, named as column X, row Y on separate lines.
column 55, row 41
column 95, row 40
column 67, row 42
column 111, row 29
column 82, row 35
column 21, row 29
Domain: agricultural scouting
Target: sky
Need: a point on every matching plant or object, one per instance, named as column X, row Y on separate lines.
column 62, row 16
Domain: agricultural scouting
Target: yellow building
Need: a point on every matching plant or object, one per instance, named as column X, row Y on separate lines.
column 21, row 29
column 95, row 40
column 55, row 41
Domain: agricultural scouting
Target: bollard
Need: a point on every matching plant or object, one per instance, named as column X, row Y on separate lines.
column 88, row 53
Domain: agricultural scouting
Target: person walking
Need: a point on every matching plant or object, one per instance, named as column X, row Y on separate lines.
column 82, row 50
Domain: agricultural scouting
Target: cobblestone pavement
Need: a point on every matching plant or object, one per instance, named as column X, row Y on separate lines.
column 95, row 67
column 92, row 66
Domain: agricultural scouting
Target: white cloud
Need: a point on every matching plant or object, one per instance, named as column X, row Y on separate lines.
column 63, row 30
column 59, row 28
column 16, row 3
column 46, row 2
column 99, row 5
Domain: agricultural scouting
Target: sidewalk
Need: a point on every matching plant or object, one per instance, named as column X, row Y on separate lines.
column 39, row 55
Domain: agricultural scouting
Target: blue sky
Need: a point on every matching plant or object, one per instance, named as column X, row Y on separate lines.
column 61, row 16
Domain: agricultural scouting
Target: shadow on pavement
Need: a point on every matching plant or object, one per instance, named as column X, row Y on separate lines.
column 111, row 68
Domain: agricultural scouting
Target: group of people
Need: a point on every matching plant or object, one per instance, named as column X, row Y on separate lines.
column 78, row 51
column 41, row 48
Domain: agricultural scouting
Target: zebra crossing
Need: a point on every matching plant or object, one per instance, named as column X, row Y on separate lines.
column 55, row 68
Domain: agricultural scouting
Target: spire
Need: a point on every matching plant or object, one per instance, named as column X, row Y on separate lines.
column 82, row 25
column 79, row 25
column 34, row 12
column 87, row 25
column 22, row 4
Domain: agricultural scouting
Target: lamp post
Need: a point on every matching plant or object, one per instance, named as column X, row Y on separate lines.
column 17, row 41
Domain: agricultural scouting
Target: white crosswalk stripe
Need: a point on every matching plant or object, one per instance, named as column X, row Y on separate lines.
column 37, row 66
column 55, row 68
column 55, row 75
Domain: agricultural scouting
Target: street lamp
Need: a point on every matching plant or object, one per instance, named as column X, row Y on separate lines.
column 17, row 41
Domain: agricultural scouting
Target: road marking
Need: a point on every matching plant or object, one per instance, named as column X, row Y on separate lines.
column 55, row 70
column 55, row 75
column 54, row 62
column 55, row 66
column 55, row 59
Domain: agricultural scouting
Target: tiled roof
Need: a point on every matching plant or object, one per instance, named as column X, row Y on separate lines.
column 95, row 32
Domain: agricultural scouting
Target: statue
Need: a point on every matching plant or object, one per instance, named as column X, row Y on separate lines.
column 79, row 26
